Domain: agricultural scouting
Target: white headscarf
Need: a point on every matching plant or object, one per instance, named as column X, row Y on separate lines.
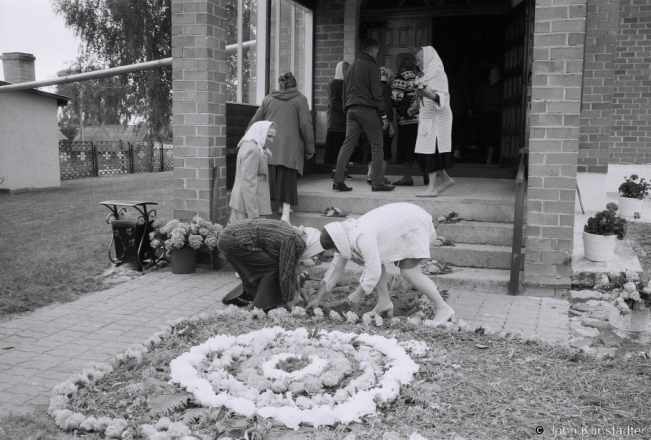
column 339, row 71
column 258, row 133
column 432, row 64
column 312, row 239
column 338, row 231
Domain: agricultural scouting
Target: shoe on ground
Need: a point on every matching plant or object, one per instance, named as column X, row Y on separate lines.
column 336, row 186
column 403, row 183
column 332, row 176
column 348, row 177
column 370, row 181
column 383, row 187
column 237, row 301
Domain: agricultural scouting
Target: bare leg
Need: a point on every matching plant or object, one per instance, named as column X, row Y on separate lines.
column 431, row 190
column 410, row 271
column 384, row 303
column 446, row 181
column 285, row 215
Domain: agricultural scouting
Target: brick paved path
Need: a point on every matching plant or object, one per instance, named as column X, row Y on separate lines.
column 44, row 348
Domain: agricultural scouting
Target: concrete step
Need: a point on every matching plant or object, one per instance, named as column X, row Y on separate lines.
column 485, row 200
column 468, row 279
column 494, row 233
column 475, row 255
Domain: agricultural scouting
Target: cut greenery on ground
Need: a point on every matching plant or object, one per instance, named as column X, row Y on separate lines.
column 475, row 385
column 54, row 242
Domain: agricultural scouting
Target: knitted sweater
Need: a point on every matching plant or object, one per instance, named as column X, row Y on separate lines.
column 279, row 241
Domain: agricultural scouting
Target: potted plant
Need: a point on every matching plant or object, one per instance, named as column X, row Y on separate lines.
column 632, row 194
column 181, row 240
column 600, row 235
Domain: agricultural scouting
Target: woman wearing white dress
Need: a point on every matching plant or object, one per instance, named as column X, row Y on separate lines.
column 435, row 121
column 397, row 233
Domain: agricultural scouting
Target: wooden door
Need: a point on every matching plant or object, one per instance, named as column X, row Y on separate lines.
column 398, row 36
column 515, row 79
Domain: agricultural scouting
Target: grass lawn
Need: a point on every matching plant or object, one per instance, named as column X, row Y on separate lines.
column 54, row 242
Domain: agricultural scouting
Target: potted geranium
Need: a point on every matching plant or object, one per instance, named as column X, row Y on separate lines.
column 635, row 298
column 600, row 235
column 181, row 240
column 632, row 194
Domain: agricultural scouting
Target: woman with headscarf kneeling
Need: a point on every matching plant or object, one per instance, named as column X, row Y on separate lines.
column 266, row 254
column 250, row 195
column 398, row 233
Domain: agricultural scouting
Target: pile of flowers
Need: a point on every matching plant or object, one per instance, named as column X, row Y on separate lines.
column 630, row 293
column 344, row 378
column 177, row 234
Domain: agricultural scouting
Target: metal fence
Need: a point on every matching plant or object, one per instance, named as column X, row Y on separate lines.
column 92, row 159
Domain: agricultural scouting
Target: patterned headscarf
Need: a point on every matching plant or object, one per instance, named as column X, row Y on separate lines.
column 339, row 71
column 338, row 231
column 258, row 133
column 287, row 81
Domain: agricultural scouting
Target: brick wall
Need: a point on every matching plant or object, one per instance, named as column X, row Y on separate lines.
column 631, row 114
column 199, row 99
column 600, row 39
column 329, row 47
column 559, row 33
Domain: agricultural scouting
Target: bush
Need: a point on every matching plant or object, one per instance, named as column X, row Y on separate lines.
column 634, row 190
column 606, row 222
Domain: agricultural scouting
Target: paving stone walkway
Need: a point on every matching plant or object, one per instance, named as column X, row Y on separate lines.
column 39, row 350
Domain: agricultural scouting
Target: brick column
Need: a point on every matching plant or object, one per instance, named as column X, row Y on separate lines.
column 352, row 22
column 598, row 70
column 199, row 123
column 559, row 35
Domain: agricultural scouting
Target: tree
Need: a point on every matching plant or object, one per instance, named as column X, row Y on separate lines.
column 121, row 32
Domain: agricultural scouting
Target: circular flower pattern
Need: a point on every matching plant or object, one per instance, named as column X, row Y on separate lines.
column 339, row 377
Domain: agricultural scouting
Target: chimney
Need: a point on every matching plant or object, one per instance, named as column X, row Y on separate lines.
column 18, row 67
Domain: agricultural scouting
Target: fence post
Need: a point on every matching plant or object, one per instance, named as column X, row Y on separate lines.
column 131, row 158
column 93, row 149
column 162, row 157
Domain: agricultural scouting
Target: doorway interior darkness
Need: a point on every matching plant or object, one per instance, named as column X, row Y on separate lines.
column 484, row 47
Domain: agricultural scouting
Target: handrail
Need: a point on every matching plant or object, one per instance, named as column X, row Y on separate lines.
column 518, row 225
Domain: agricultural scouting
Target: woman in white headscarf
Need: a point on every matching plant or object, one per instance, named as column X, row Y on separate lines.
column 336, row 116
column 250, row 195
column 435, row 121
column 266, row 253
column 397, row 233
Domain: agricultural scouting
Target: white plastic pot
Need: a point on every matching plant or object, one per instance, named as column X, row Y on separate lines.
column 629, row 206
column 599, row 247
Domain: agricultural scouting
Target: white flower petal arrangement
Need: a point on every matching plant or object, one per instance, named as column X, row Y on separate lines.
column 380, row 367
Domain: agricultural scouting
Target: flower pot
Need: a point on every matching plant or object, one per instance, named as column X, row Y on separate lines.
column 629, row 206
column 599, row 247
column 183, row 261
column 640, row 320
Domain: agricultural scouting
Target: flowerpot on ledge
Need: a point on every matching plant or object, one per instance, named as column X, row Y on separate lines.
column 183, row 261
column 628, row 206
column 599, row 247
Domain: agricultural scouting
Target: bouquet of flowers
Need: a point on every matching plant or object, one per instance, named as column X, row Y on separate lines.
column 177, row 234
column 634, row 296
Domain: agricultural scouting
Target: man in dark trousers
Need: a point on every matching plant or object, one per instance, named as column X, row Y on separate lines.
column 363, row 103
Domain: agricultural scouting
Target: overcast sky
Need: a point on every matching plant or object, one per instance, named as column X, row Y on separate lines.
column 30, row 26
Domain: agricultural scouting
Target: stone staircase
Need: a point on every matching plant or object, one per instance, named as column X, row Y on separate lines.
column 482, row 252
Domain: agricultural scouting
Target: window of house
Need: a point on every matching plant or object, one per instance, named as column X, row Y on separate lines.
column 288, row 27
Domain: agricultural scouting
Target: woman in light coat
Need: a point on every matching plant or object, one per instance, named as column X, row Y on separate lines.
column 289, row 110
column 435, row 121
column 397, row 233
column 250, row 195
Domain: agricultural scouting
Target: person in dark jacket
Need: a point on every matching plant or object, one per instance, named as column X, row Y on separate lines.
column 488, row 103
column 336, row 133
column 363, row 103
column 386, row 75
column 288, row 109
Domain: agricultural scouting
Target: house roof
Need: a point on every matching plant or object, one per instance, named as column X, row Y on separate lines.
column 106, row 133
column 62, row 101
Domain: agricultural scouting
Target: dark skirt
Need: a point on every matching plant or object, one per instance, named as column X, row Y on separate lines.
column 387, row 141
column 407, row 135
column 333, row 143
column 283, row 187
column 259, row 272
column 437, row 161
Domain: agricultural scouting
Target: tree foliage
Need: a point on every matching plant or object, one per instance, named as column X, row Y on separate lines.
column 121, row 32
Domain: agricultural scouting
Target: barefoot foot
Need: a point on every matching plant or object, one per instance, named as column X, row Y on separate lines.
column 428, row 193
column 445, row 185
column 443, row 315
